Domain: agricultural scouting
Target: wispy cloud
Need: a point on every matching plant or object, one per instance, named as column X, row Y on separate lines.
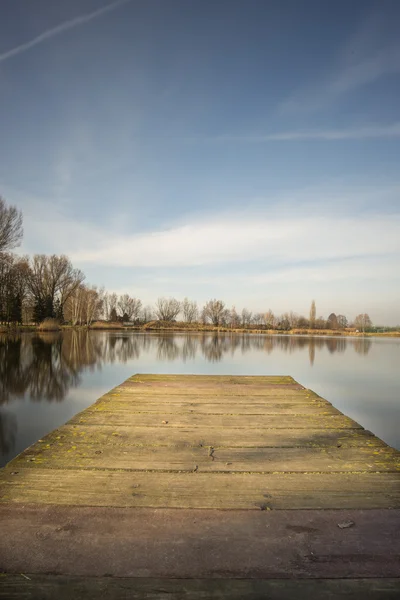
column 360, row 133
column 371, row 53
column 76, row 22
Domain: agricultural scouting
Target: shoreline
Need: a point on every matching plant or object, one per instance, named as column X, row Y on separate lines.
column 179, row 328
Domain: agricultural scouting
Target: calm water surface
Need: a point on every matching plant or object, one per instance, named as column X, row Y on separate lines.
column 45, row 379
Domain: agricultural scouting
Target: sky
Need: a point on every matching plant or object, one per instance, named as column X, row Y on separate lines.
column 247, row 150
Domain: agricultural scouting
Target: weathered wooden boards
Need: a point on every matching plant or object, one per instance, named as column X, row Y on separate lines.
column 208, row 442
column 242, row 457
column 15, row 587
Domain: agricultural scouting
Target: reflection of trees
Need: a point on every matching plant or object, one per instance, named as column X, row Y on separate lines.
column 167, row 348
column 12, row 372
column 50, row 376
column 80, row 349
column 362, row 345
column 215, row 346
column 8, row 431
column 311, row 351
column 189, row 347
column 336, row 345
column 47, row 365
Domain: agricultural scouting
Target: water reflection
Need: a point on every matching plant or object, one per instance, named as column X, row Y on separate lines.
column 46, row 366
column 8, row 432
column 362, row 346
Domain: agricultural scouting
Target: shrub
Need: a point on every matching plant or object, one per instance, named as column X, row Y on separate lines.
column 49, row 324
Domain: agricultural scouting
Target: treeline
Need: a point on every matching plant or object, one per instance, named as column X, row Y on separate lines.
column 43, row 287
column 33, row 289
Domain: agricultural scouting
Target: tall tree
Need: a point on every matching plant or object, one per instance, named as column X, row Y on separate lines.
column 313, row 314
column 246, row 317
column 92, row 304
column 167, row 309
column 129, row 306
column 110, row 304
column 214, row 311
column 332, row 321
column 146, row 314
column 234, row 319
column 362, row 322
column 269, row 319
column 293, row 319
column 13, row 271
column 51, row 279
column 190, row 310
column 113, row 315
column 10, row 226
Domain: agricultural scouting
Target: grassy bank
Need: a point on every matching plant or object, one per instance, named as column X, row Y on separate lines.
column 182, row 327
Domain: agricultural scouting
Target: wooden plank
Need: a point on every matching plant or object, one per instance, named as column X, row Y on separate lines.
column 215, row 380
column 207, row 398
column 192, row 436
column 214, row 391
column 104, row 417
column 200, row 490
column 123, row 542
column 244, row 408
column 33, row 586
column 236, row 455
column 78, row 454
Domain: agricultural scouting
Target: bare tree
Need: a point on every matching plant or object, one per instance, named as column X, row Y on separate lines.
column 73, row 309
column 269, row 319
column 246, row 317
column 53, row 278
column 258, row 319
column 110, row 306
column 234, row 319
column 84, row 305
column 320, row 323
column 284, row 322
column 190, row 311
column 362, row 322
column 167, row 309
column 342, row 321
column 293, row 319
column 10, row 226
column 214, row 311
column 93, row 305
column 129, row 306
column 146, row 314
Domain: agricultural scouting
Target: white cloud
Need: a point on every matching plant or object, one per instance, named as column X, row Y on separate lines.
column 224, row 239
column 280, row 257
column 60, row 29
column 317, row 225
column 358, row 133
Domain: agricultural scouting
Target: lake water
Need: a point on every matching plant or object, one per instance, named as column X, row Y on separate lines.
column 45, row 379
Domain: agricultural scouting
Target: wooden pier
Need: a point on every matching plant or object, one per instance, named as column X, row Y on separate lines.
column 243, row 487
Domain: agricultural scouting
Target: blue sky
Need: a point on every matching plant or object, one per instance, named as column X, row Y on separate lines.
column 244, row 150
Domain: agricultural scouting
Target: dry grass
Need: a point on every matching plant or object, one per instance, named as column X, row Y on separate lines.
column 106, row 325
column 49, row 325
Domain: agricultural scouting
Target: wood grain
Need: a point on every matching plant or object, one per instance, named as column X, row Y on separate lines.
column 207, row 442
